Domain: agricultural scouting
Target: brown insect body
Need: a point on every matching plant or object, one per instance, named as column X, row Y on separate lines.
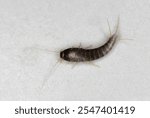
column 82, row 55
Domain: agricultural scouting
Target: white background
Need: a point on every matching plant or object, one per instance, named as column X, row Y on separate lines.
column 28, row 26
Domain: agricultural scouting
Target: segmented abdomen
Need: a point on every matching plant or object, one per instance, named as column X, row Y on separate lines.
column 93, row 54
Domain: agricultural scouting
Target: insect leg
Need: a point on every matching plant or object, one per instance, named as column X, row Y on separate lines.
column 80, row 46
column 93, row 64
column 74, row 64
column 88, row 47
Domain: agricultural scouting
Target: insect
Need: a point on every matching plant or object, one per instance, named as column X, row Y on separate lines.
column 87, row 55
column 79, row 54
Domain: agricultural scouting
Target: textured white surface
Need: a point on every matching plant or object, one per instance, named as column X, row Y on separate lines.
column 26, row 25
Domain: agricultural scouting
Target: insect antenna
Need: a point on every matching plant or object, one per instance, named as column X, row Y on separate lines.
column 47, row 50
column 52, row 70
